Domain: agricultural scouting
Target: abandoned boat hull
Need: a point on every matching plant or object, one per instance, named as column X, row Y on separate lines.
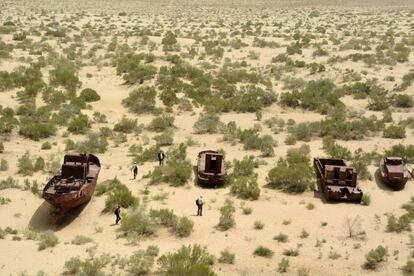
column 395, row 180
column 211, row 169
column 66, row 193
column 341, row 187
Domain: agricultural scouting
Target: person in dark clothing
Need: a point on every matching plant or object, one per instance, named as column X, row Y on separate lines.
column 135, row 169
column 199, row 203
column 161, row 157
column 118, row 213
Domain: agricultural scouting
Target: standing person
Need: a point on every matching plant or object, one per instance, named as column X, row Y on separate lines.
column 135, row 170
column 161, row 156
column 199, row 203
column 117, row 213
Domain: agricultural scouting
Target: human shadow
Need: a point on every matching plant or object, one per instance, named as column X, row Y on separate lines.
column 44, row 218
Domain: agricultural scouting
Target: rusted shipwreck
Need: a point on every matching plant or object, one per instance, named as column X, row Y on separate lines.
column 394, row 172
column 211, row 169
column 338, row 181
column 76, row 183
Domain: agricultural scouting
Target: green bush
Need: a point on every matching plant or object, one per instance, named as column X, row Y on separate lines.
column 227, row 220
column 244, row 167
column 79, row 124
column 245, row 187
column 36, row 130
column 183, row 227
column 291, row 252
column 188, row 260
column 64, row 74
column 403, row 100
column 283, row 265
column 4, row 165
column 126, row 125
column 165, row 139
column 107, row 186
column 207, row 123
column 94, row 143
column 141, row 100
column 80, row 239
column 142, row 261
column 281, row 237
column 1, row 146
column 148, row 154
column 394, row 132
column 335, row 150
column 25, row 165
column 263, row 251
column 366, row 199
column 90, row 266
column 47, row 239
column 161, row 123
column 400, row 224
column 404, row 151
column 9, row 183
column 46, row 146
column 226, row 257
column 136, row 223
column 409, row 268
column 375, row 257
column 292, row 174
column 120, row 195
column 89, row 95
column 266, row 146
column 176, row 171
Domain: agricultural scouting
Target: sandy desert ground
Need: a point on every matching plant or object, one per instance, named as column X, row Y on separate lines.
column 203, row 57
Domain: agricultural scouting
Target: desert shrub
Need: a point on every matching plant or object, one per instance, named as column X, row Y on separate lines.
column 161, row 123
column 245, row 187
column 335, row 150
column 1, row 146
column 4, row 200
column 403, row 100
column 94, row 143
column 292, row 174
column 263, row 251
column 47, row 239
column 244, row 167
column 226, row 257
column 46, row 146
column 132, row 70
column 258, row 225
column 142, row 261
column 39, row 164
column 165, row 139
column 176, row 171
column 89, row 95
column 266, row 146
column 80, row 239
column 79, row 124
column 227, row 220
column 399, row 224
column 137, row 223
column 366, row 199
column 207, row 123
column 25, row 165
column 281, row 237
column 4, row 165
column 375, row 257
column 301, row 132
column 122, row 195
column 64, row 74
column 90, row 266
column 291, row 252
column 147, row 154
column 188, row 260
column 408, row 269
column 107, row 186
column 126, row 125
column 169, row 41
column 183, row 227
column 394, row 132
column 283, row 265
column 141, row 100
column 404, row 151
column 9, row 183
column 36, row 130
column 99, row 117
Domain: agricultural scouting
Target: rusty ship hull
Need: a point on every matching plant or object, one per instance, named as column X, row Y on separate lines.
column 393, row 173
column 211, row 169
column 75, row 184
column 338, row 181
